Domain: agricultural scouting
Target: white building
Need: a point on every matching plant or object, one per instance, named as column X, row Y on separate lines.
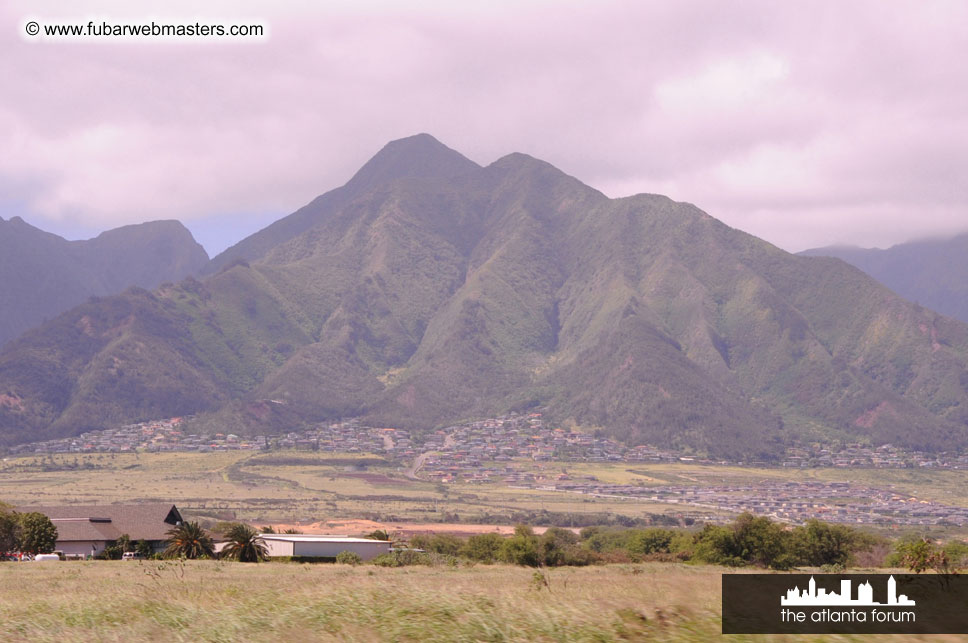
column 322, row 546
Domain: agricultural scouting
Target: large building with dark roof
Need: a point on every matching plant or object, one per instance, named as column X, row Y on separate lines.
column 84, row 530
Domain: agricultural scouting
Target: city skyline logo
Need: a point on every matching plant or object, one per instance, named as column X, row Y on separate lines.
column 814, row 596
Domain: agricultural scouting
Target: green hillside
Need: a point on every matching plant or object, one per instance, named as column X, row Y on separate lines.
column 436, row 290
column 42, row 275
column 933, row 273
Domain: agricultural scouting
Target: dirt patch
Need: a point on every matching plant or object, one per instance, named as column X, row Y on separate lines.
column 868, row 418
column 85, row 326
column 11, row 402
column 374, row 478
column 399, row 530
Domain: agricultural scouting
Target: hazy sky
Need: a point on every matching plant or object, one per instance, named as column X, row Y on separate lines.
column 806, row 124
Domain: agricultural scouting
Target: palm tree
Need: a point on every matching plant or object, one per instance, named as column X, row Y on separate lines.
column 245, row 545
column 189, row 540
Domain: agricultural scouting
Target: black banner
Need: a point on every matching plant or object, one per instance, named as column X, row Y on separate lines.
column 845, row 603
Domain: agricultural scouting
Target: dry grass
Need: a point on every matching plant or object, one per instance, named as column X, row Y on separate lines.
column 212, row 601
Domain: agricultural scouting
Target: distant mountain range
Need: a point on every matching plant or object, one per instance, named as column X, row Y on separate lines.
column 42, row 274
column 429, row 289
column 932, row 273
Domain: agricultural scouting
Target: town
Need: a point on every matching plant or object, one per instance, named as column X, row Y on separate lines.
column 513, row 451
column 792, row 501
column 460, row 451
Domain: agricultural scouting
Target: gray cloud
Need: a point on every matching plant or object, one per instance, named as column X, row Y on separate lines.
column 834, row 123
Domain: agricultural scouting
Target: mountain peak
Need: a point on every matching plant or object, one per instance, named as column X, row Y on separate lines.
column 519, row 161
column 518, row 166
column 171, row 227
column 418, row 156
column 17, row 221
column 516, row 158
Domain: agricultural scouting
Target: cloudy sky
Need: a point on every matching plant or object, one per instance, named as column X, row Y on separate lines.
column 806, row 124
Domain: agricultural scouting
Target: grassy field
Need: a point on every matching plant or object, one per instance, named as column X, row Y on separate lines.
column 307, row 487
column 221, row 601
column 216, row 601
column 292, row 487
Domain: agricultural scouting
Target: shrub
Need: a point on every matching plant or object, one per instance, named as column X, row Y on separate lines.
column 818, row 543
column 348, row 558
column 402, row 558
column 484, row 548
column 558, row 547
column 521, row 548
column 143, row 547
column 446, row 544
column 420, row 541
column 763, row 542
column 650, row 541
column 636, row 543
column 110, row 552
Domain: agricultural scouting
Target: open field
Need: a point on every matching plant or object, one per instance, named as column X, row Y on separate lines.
column 215, row 601
column 284, row 487
column 290, row 487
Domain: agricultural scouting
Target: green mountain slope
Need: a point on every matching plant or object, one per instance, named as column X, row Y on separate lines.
column 436, row 293
column 932, row 273
column 418, row 156
column 42, row 275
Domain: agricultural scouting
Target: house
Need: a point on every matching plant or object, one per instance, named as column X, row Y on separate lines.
column 322, row 546
column 84, row 530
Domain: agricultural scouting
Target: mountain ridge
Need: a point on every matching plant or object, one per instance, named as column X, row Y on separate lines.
column 932, row 272
column 43, row 274
column 449, row 294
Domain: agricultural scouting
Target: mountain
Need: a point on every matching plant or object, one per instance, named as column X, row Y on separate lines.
column 432, row 290
column 418, row 156
column 932, row 273
column 42, row 274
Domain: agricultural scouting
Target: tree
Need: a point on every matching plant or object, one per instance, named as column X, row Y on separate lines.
column 716, row 544
column 245, row 545
column 378, row 534
column 9, row 530
column 38, row 535
column 819, row 543
column 189, row 540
